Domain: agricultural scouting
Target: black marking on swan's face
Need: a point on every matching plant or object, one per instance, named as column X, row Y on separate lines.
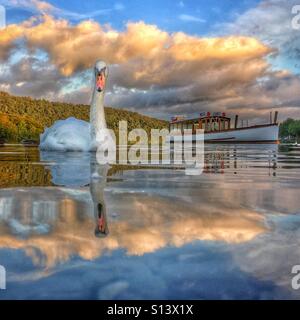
column 101, row 227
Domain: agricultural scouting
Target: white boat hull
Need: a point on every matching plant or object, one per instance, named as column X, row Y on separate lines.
column 255, row 134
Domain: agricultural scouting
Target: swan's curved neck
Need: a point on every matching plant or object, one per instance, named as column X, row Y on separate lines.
column 97, row 115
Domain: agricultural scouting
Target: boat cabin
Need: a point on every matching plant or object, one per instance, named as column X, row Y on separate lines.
column 209, row 122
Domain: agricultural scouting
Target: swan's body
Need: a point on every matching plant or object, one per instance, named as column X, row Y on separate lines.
column 78, row 135
column 67, row 135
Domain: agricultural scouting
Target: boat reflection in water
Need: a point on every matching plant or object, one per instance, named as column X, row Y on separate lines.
column 156, row 226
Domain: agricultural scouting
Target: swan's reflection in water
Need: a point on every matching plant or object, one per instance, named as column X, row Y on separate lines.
column 162, row 220
column 97, row 185
column 81, row 169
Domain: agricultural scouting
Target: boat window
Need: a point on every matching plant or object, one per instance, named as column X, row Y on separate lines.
column 216, row 125
column 206, row 124
column 220, row 125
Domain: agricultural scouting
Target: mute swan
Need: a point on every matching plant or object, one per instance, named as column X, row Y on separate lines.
column 77, row 135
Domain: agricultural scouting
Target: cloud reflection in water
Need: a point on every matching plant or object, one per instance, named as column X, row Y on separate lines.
column 211, row 234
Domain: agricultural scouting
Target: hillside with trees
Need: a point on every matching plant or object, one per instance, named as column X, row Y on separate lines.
column 26, row 118
column 290, row 130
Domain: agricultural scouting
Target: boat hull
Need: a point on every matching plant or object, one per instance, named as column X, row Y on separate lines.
column 255, row 134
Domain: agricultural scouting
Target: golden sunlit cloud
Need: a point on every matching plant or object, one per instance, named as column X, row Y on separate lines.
column 76, row 47
column 175, row 71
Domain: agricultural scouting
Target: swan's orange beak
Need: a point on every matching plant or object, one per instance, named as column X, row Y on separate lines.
column 100, row 81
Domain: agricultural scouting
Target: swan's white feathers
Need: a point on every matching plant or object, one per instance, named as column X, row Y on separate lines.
column 67, row 135
column 78, row 135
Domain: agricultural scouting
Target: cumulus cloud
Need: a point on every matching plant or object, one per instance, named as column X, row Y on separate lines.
column 146, row 55
column 43, row 7
column 155, row 71
column 30, row 76
column 33, row 5
column 270, row 21
column 142, row 45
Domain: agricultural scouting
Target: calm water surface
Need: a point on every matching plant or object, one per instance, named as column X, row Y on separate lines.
column 70, row 229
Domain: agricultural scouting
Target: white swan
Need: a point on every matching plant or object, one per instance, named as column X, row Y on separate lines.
column 78, row 135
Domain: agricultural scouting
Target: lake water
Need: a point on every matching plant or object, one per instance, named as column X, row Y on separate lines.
column 70, row 229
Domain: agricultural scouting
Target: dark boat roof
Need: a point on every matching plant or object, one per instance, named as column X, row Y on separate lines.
column 200, row 118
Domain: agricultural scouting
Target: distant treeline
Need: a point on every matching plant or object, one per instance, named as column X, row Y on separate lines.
column 25, row 118
column 290, row 130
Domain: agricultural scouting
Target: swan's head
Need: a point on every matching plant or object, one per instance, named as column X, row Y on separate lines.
column 101, row 73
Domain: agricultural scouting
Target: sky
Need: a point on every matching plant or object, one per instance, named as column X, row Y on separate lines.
column 165, row 57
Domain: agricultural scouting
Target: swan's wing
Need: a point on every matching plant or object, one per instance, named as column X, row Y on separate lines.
column 67, row 135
